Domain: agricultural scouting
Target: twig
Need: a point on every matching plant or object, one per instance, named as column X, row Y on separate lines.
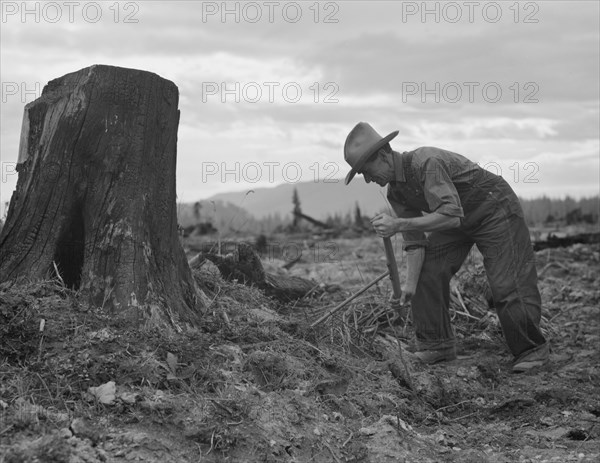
column 549, row 265
column 6, row 429
column 335, row 457
column 45, row 385
column 225, row 318
column 460, row 299
column 552, row 319
column 62, row 282
column 291, row 263
column 452, row 405
column 348, row 440
column 312, row 290
column 227, row 409
column 193, row 260
column 42, row 325
column 106, row 296
column 461, row 417
column 350, row 299
column 465, row 314
column 212, row 442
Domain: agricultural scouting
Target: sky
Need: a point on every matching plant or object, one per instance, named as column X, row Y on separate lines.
column 268, row 91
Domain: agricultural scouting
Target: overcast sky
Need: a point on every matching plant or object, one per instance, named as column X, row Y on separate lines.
column 269, row 90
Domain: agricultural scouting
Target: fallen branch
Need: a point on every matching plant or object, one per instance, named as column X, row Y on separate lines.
column 350, row 299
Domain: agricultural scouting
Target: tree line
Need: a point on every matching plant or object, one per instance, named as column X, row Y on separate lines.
column 231, row 219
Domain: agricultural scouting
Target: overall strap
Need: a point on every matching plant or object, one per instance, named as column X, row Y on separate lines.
column 409, row 173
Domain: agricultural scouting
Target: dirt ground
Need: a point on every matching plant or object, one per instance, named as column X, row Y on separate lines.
column 256, row 384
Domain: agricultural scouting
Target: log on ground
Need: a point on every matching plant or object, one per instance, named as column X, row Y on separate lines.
column 241, row 262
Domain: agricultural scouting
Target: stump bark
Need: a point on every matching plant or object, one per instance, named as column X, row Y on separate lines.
column 95, row 197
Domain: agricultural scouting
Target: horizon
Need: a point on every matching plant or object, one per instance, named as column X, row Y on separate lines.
column 369, row 203
column 245, row 190
column 273, row 186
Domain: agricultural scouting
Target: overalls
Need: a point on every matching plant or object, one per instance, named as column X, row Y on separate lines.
column 494, row 221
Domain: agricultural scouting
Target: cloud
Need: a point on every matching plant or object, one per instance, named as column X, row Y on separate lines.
column 378, row 63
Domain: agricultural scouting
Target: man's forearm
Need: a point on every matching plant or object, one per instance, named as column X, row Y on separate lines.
column 428, row 223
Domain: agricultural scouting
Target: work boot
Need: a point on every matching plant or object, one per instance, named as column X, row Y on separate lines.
column 436, row 355
column 533, row 358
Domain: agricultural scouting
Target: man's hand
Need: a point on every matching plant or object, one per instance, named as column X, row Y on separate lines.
column 385, row 225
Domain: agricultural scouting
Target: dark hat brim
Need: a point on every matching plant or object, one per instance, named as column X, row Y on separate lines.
column 368, row 154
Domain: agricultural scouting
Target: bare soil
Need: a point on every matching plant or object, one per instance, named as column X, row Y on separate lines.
column 256, row 384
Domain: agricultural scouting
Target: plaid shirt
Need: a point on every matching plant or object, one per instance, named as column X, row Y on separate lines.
column 430, row 180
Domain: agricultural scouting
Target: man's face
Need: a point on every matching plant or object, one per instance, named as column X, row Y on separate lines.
column 377, row 170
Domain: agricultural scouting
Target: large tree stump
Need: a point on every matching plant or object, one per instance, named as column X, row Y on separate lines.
column 96, row 197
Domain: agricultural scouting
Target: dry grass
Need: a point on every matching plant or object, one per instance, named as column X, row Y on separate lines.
column 253, row 371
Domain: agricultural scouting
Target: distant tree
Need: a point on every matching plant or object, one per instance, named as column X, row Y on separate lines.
column 358, row 221
column 348, row 218
column 588, row 218
column 334, row 221
column 297, row 210
column 197, row 207
column 573, row 216
column 541, row 210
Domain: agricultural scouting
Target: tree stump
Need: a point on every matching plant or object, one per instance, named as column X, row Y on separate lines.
column 95, row 196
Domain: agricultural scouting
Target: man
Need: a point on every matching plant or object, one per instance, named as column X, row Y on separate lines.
column 465, row 205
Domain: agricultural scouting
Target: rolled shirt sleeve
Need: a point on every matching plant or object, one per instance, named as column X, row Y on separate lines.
column 438, row 189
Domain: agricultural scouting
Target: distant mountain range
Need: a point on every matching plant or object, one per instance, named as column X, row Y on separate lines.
column 317, row 199
column 245, row 209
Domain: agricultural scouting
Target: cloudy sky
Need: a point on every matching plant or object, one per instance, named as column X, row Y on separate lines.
column 269, row 90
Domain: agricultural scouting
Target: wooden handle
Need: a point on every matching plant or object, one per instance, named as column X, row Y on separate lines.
column 392, row 267
column 341, row 305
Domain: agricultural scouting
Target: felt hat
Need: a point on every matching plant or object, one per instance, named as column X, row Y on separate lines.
column 361, row 144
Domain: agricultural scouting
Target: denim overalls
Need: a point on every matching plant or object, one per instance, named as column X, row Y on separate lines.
column 494, row 221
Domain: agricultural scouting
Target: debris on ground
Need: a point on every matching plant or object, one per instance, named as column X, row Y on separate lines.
column 254, row 383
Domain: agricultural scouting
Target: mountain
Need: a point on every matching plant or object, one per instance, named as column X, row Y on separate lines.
column 317, row 199
column 246, row 210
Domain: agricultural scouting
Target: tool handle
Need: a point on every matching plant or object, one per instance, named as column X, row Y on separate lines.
column 341, row 305
column 392, row 267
